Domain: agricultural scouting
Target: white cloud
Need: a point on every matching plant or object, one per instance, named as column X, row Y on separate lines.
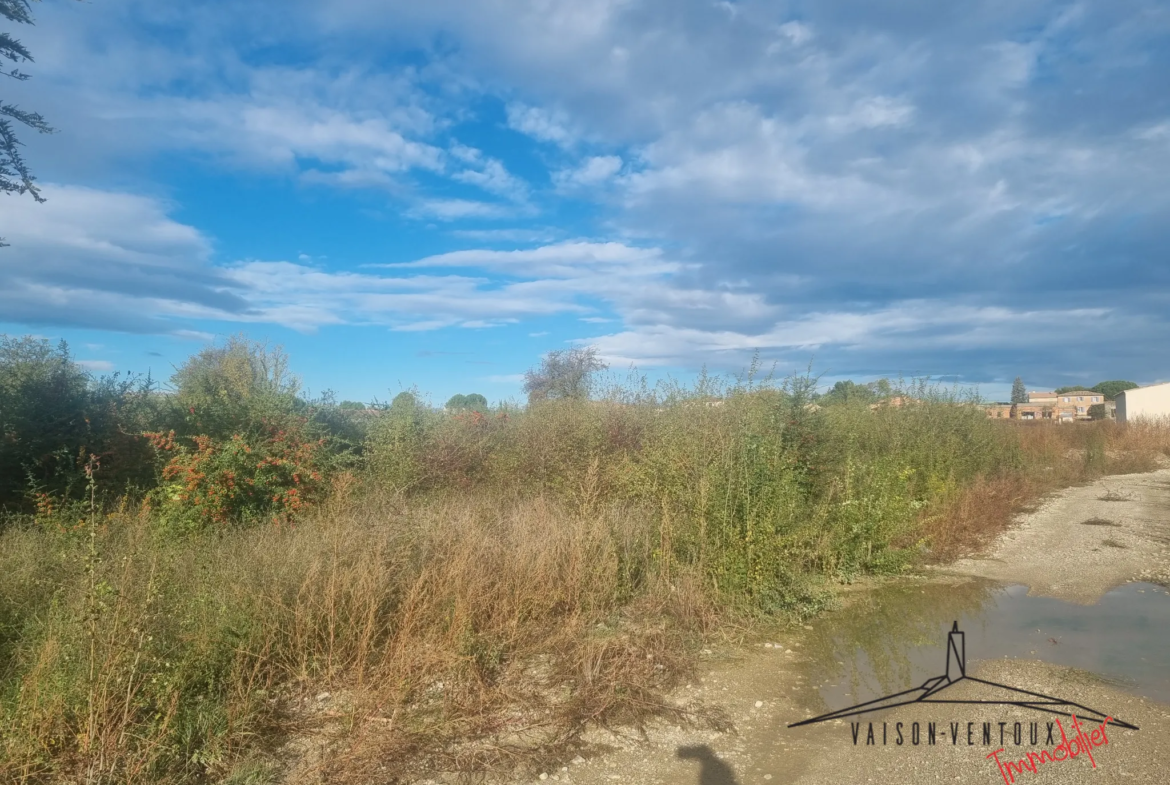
column 1155, row 132
column 423, row 326
column 458, row 209
column 115, row 261
column 796, row 32
column 872, row 112
column 594, row 171
column 574, row 259
column 350, row 178
column 492, row 177
column 516, row 235
column 284, row 132
column 841, row 164
column 96, row 366
column 736, row 154
column 500, row 287
column 541, row 124
column 480, row 324
column 305, row 298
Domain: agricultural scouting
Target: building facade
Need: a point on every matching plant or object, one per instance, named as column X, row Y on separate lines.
column 1078, row 401
column 1057, row 407
column 1144, row 403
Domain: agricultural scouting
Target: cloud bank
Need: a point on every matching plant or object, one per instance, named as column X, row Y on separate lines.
column 881, row 186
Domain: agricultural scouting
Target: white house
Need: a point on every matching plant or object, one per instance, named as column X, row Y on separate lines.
column 1144, row 403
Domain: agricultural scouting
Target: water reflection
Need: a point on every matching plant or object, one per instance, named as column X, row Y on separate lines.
column 895, row 637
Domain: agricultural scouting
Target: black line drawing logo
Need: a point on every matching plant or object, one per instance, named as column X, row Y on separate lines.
column 956, row 672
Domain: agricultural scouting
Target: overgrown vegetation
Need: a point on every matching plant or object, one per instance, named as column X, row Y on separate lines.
column 238, row 567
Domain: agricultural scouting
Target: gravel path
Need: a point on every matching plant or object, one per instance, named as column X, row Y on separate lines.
column 1084, row 541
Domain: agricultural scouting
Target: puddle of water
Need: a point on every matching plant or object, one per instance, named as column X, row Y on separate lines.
column 895, row 638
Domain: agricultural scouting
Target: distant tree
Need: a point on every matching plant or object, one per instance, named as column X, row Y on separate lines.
column 848, row 391
column 238, row 369
column 1097, row 411
column 351, row 405
column 405, row 401
column 233, row 386
column 472, row 402
column 563, row 374
column 1019, row 392
column 1113, row 388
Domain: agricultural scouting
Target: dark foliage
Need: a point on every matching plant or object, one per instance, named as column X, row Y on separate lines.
column 53, row 415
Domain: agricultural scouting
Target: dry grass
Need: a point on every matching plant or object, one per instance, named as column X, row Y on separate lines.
column 1053, row 457
column 511, row 630
column 975, row 516
column 463, row 633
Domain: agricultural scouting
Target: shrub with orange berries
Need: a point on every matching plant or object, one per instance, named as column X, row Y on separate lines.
column 269, row 476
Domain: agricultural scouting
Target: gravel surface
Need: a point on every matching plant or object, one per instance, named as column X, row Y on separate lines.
column 1084, row 541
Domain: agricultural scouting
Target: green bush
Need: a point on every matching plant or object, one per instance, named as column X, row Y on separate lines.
column 53, row 415
column 396, row 440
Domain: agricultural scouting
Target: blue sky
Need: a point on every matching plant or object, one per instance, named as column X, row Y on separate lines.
column 435, row 194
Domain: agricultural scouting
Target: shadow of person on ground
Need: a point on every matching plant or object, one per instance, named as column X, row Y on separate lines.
column 713, row 771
